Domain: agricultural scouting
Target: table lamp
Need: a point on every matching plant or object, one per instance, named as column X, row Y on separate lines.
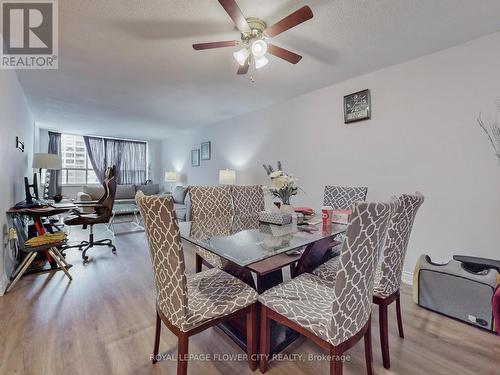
column 48, row 162
column 171, row 177
column 227, row 177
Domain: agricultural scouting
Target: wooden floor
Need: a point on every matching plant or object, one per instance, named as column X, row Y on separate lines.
column 103, row 323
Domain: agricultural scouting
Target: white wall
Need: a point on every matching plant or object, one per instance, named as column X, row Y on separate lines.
column 423, row 136
column 15, row 120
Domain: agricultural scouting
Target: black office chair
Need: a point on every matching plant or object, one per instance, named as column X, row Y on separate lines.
column 103, row 211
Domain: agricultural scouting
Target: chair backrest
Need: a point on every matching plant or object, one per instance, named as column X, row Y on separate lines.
column 343, row 197
column 389, row 272
column 167, row 257
column 247, row 199
column 210, row 201
column 356, row 271
column 108, row 199
column 110, row 172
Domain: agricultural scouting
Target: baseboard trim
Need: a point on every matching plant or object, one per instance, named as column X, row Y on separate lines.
column 407, row 278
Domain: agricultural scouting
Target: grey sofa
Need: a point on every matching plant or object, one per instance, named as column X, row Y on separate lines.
column 125, row 194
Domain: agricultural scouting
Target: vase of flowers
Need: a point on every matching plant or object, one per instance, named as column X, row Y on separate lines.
column 283, row 186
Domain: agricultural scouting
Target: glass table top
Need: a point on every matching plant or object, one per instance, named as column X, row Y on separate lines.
column 244, row 240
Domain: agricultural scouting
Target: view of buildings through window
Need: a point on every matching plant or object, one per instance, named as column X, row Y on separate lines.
column 76, row 166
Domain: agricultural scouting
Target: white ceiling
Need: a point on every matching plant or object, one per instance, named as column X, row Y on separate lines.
column 127, row 67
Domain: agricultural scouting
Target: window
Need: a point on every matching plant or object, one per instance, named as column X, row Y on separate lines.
column 76, row 166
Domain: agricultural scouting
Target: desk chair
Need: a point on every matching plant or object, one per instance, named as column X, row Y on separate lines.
column 32, row 251
column 103, row 211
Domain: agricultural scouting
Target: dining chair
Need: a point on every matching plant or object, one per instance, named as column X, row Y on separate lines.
column 390, row 268
column 208, row 202
column 247, row 199
column 343, row 197
column 189, row 304
column 334, row 315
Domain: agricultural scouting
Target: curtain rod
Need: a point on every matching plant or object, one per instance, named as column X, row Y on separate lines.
column 95, row 136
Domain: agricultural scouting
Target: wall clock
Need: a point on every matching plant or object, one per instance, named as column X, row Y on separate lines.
column 357, row 106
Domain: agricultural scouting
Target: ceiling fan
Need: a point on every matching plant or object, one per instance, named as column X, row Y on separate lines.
column 255, row 37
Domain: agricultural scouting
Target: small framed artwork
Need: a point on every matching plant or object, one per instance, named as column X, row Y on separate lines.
column 195, row 158
column 357, row 106
column 206, row 151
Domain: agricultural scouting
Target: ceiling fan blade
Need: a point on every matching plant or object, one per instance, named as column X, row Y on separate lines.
column 243, row 69
column 296, row 18
column 210, row 45
column 234, row 12
column 284, row 54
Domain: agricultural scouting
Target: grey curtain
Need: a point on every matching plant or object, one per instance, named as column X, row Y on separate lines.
column 133, row 163
column 55, row 176
column 97, row 155
column 129, row 158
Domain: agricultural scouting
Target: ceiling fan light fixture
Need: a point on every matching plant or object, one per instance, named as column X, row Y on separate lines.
column 259, row 48
column 241, row 56
column 260, row 62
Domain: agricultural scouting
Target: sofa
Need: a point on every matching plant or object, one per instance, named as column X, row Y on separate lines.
column 125, row 194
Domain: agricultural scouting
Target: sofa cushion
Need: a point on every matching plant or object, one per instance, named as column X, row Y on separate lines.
column 179, row 194
column 150, row 189
column 125, row 192
column 95, row 191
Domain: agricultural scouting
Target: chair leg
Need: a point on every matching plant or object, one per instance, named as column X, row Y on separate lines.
column 265, row 333
column 58, row 253
column 182, row 354
column 384, row 335
column 199, row 263
column 368, row 349
column 252, row 337
column 60, row 264
column 336, row 365
column 400, row 320
column 157, row 338
column 22, row 269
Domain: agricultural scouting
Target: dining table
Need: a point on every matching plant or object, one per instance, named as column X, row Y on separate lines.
column 258, row 254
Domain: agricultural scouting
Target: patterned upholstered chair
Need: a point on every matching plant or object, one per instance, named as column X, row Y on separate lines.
column 247, row 199
column 342, row 197
column 390, row 267
column 188, row 304
column 335, row 315
column 209, row 202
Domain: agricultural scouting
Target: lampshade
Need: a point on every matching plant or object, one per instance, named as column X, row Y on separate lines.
column 170, row 176
column 261, row 62
column 227, row 177
column 46, row 161
column 259, row 48
column 241, row 56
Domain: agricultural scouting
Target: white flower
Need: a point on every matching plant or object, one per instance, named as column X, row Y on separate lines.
column 278, row 182
column 276, row 174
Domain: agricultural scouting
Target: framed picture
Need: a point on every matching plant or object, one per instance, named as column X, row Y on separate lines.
column 357, row 106
column 206, row 151
column 195, row 158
